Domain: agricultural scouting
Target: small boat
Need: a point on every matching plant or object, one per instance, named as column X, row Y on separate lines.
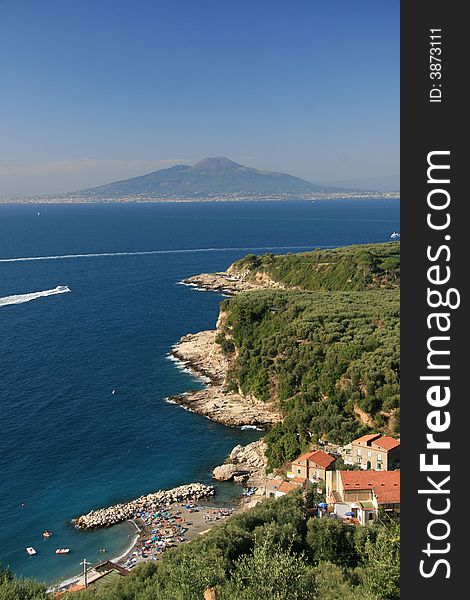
column 113, row 392
column 394, row 235
column 62, row 550
column 31, row 551
column 47, row 533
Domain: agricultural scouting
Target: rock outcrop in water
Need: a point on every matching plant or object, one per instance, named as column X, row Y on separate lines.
column 104, row 517
column 246, row 464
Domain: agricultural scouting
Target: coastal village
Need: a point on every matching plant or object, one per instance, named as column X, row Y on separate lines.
column 354, row 483
column 366, row 487
column 357, row 483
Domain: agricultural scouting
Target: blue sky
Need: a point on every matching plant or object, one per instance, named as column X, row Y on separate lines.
column 97, row 90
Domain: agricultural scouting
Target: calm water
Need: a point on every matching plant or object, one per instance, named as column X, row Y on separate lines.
column 68, row 445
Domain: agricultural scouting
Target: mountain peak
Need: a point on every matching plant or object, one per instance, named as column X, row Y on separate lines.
column 216, row 176
column 214, row 163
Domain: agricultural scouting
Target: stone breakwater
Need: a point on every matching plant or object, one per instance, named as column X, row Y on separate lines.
column 104, row 517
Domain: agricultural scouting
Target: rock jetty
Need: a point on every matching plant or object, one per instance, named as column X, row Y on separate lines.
column 104, row 517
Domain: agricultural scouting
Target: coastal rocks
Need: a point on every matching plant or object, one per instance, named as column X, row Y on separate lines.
column 233, row 281
column 224, row 282
column 225, row 472
column 104, row 517
column 246, row 464
column 252, row 455
column 202, row 354
column 228, row 408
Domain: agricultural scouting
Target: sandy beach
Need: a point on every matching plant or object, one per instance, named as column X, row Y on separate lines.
column 170, row 527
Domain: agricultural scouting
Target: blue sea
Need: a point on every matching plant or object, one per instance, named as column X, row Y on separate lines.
column 67, row 444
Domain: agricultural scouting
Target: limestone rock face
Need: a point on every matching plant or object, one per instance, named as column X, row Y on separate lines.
column 225, row 472
column 245, row 464
column 252, row 455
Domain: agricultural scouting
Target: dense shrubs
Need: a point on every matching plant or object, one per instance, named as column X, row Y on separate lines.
column 361, row 267
column 322, row 356
column 275, row 550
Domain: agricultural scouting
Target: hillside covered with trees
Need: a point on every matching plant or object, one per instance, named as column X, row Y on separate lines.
column 359, row 267
column 325, row 349
column 329, row 359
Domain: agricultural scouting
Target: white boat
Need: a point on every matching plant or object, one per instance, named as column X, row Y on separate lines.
column 62, row 288
column 62, row 550
column 30, row 550
column 394, row 235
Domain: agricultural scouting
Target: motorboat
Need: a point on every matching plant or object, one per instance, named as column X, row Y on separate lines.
column 31, row 551
column 62, row 550
column 47, row 533
column 395, row 234
column 62, row 288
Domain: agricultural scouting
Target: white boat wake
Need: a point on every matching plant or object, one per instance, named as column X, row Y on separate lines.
column 149, row 252
column 20, row 298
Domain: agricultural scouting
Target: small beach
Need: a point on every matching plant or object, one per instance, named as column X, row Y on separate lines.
column 164, row 527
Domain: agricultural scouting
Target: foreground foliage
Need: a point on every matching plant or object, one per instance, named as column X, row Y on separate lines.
column 275, row 550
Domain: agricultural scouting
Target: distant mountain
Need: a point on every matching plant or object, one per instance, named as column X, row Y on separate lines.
column 209, row 177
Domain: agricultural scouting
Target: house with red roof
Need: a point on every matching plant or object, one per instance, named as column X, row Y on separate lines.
column 277, row 487
column 375, row 452
column 312, row 465
column 360, row 494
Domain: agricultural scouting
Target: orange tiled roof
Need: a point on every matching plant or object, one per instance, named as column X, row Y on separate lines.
column 367, row 438
column 287, row 486
column 299, row 480
column 387, row 443
column 274, row 483
column 384, row 484
column 305, row 456
column 323, row 459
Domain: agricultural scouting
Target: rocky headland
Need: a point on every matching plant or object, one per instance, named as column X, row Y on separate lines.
column 201, row 353
column 233, row 281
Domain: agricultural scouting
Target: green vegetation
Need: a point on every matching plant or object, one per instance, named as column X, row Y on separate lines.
column 368, row 266
column 326, row 350
column 322, row 356
column 275, row 550
column 12, row 588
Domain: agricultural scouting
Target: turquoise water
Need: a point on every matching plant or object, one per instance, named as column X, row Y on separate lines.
column 67, row 444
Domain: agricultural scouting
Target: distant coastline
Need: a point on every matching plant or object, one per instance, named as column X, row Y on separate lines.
column 76, row 199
